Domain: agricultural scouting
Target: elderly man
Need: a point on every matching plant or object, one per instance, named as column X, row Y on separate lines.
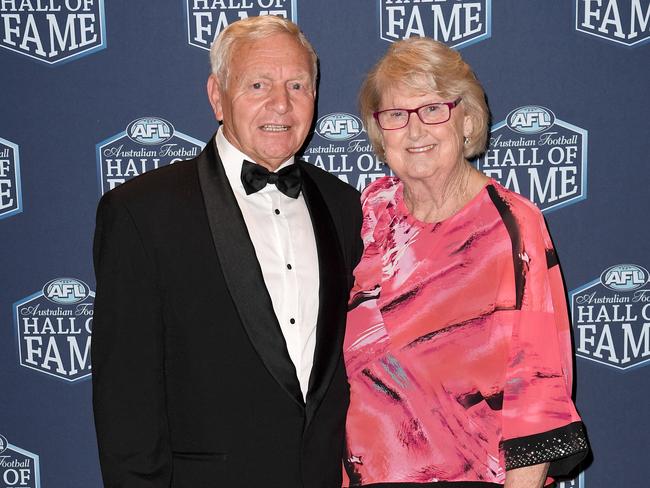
column 222, row 285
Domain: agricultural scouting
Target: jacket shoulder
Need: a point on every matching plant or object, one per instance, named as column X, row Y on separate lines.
column 156, row 186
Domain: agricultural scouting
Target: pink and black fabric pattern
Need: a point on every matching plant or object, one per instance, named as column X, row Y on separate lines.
column 458, row 347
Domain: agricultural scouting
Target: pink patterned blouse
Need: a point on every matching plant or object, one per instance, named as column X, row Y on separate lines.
column 458, row 347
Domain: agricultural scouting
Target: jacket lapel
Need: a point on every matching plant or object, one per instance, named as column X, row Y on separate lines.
column 332, row 296
column 242, row 272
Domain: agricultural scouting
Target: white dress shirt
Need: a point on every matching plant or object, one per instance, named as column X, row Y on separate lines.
column 283, row 237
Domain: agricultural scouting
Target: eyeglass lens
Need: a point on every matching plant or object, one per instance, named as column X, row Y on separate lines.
column 429, row 114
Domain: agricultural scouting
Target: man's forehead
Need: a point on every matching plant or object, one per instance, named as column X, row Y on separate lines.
column 271, row 72
column 268, row 44
column 260, row 58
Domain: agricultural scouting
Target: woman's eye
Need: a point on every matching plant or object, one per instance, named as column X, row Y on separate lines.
column 431, row 108
column 396, row 113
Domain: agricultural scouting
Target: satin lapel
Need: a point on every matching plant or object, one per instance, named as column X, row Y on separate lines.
column 242, row 272
column 331, row 297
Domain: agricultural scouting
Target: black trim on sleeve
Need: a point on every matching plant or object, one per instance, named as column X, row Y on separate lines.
column 564, row 448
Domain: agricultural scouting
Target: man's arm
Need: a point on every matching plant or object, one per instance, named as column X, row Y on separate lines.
column 127, row 356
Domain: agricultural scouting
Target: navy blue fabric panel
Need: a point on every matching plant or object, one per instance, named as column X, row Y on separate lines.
column 93, row 93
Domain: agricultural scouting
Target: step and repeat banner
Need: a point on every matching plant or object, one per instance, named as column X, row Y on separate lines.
column 94, row 93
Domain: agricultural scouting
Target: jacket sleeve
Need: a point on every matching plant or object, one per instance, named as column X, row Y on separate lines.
column 127, row 356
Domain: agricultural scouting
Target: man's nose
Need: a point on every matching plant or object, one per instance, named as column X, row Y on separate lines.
column 279, row 100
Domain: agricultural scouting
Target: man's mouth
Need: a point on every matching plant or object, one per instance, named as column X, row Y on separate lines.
column 420, row 149
column 274, row 127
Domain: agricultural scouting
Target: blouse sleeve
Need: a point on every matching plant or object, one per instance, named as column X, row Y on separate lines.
column 369, row 215
column 540, row 421
column 373, row 204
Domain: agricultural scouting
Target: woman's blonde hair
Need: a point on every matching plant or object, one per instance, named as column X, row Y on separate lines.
column 424, row 65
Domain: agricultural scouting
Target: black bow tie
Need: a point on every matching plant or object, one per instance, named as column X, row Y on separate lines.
column 255, row 177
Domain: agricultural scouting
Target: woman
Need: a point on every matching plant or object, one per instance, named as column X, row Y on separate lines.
column 458, row 345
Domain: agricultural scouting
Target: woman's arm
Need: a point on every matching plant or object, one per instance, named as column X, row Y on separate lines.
column 528, row 477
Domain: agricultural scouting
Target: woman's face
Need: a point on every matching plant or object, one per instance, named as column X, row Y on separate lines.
column 420, row 151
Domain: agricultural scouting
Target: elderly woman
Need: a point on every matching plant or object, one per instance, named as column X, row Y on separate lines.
column 458, row 346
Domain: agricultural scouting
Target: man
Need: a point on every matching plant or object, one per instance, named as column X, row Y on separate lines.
column 221, row 301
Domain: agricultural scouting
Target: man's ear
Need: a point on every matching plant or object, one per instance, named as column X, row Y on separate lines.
column 215, row 96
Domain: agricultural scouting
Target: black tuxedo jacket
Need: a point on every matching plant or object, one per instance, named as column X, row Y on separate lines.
column 192, row 383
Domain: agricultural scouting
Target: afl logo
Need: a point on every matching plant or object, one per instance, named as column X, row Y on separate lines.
column 66, row 291
column 338, row 126
column 624, row 277
column 3, row 444
column 530, row 119
column 150, row 130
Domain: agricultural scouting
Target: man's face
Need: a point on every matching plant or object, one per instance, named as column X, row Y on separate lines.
column 268, row 105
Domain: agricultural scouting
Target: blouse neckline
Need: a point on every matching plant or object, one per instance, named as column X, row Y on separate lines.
column 403, row 209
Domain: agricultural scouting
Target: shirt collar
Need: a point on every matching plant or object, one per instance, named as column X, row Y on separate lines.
column 232, row 159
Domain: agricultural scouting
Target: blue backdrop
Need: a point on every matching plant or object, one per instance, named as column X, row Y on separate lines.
column 93, row 94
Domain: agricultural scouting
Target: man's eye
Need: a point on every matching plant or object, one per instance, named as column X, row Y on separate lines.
column 256, row 86
column 296, row 86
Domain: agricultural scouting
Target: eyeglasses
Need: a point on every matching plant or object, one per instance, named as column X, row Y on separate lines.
column 430, row 114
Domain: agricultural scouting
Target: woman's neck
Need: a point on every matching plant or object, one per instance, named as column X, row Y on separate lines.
column 439, row 197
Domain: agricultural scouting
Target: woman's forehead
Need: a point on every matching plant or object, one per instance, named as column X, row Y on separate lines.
column 403, row 92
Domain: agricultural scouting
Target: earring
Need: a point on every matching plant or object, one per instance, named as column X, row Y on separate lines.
column 466, row 140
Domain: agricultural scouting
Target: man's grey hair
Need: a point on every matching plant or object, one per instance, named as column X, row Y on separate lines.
column 254, row 29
